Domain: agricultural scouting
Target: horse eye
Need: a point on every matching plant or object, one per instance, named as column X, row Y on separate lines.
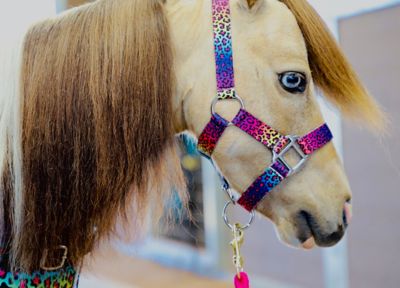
column 293, row 82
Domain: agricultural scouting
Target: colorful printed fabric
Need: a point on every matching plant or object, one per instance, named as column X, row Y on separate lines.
column 283, row 142
column 211, row 134
column 228, row 93
column 315, row 139
column 223, row 48
column 256, row 129
column 281, row 168
column 63, row 278
column 257, row 191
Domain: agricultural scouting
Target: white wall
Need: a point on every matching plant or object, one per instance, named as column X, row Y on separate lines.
column 332, row 10
column 16, row 15
column 335, row 259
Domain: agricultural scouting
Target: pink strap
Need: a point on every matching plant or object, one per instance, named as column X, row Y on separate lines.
column 315, row 139
column 257, row 129
column 211, row 134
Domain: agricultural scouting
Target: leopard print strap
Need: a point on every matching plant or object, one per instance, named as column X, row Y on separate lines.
column 257, row 129
column 259, row 188
column 211, row 134
column 315, row 139
column 223, row 49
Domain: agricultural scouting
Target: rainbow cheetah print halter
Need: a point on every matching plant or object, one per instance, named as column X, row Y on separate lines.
column 278, row 143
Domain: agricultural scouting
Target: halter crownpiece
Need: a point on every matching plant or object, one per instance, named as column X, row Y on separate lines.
column 245, row 121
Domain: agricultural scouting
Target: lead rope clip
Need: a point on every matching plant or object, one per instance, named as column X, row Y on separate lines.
column 236, row 243
column 241, row 279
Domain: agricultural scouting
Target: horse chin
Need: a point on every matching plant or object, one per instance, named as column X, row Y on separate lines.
column 296, row 243
column 294, row 237
column 306, row 234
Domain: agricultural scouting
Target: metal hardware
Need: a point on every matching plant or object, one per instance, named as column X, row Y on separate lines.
column 226, row 219
column 236, row 243
column 293, row 144
column 62, row 262
column 216, row 99
column 229, row 191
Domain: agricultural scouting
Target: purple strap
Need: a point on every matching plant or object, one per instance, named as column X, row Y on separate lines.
column 260, row 187
column 263, row 133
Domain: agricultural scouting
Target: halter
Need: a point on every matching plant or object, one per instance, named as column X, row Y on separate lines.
column 278, row 143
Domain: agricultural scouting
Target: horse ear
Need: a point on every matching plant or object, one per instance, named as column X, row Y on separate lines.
column 251, row 3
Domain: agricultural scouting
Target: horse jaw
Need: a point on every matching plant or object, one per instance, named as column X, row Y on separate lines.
column 265, row 43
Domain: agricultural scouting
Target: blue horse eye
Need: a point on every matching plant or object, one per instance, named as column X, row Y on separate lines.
column 293, row 82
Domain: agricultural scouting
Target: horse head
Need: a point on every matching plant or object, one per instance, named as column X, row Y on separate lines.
column 282, row 52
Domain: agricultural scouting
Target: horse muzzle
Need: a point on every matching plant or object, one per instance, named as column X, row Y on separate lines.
column 311, row 232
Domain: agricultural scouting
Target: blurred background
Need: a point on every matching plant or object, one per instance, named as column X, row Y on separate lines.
column 196, row 254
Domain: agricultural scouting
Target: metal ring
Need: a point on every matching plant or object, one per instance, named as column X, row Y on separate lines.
column 226, row 220
column 216, row 99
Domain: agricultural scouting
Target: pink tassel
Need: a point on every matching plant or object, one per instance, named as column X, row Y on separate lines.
column 243, row 282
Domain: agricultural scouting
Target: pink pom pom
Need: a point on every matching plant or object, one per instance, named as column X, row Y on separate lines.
column 243, row 282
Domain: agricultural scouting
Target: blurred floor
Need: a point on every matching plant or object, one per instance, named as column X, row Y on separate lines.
column 110, row 268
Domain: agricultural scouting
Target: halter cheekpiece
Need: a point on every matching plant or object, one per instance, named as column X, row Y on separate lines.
column 278, row 143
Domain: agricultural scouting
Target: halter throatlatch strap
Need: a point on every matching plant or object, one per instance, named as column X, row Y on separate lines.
column 278, row 143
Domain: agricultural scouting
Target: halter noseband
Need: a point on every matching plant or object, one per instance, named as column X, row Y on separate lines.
column 245, row 121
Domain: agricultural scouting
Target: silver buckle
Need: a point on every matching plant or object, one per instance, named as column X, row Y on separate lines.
column 62, row 262
column 293, row 144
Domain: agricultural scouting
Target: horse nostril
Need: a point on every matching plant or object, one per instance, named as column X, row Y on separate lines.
column 328, row 240
column 336, row 236
column 347, row 213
